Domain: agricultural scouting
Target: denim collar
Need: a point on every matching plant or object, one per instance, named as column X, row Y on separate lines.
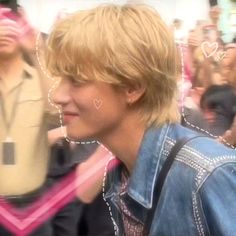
column 147, row 167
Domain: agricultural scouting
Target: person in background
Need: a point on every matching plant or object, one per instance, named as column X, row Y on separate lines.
column 24, row 111
column 179, row 33
column 214, row 14
column 218, row 104
column 228, row 64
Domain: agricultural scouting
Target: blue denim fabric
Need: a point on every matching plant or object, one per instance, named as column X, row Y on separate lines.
column 199, row 194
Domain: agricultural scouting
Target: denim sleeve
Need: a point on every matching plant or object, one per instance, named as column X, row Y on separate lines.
column 218, row 200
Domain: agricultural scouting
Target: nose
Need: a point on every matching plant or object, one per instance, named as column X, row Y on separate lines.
column 61, row 95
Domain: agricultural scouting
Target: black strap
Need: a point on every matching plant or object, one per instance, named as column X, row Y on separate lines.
column 161, row 179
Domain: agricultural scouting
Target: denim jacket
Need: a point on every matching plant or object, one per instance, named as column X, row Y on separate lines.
column 199, row 193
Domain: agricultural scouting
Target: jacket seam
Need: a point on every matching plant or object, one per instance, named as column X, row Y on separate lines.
column 206, row 176
column 197, row 216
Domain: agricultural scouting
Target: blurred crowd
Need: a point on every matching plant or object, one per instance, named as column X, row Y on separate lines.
column 29, row 167
column 209, row 78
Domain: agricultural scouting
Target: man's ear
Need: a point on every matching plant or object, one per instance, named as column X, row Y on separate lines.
column 134, row 93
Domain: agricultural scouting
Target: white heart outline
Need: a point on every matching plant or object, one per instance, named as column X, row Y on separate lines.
column 220, row 55
column 210, row 46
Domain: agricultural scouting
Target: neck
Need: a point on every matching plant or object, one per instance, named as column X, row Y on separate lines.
column 11, row 68
column 125, row 141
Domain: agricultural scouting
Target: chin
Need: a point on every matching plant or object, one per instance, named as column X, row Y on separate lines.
column 74, row 134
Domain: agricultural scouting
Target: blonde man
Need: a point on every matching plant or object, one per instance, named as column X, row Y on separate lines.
column 119, row 69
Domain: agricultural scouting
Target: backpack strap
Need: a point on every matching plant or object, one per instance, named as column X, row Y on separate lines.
column 161, row 179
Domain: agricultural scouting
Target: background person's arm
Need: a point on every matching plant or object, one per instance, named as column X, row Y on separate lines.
column 90, row 175
column 55, row 135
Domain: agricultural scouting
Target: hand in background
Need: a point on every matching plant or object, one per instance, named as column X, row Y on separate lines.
column 28, row 33
column 194, row 40
column 9, row 29
column 16, row 27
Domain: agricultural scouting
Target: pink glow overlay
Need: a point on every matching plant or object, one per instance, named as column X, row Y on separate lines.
column 23, row 221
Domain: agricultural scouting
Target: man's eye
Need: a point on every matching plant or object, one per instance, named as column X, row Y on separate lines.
column 74, row 81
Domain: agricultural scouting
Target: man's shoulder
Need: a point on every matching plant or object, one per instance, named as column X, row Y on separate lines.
column 202, row 154
column 202, row 145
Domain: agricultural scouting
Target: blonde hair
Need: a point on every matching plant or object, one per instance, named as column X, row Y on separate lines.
column 125, row 45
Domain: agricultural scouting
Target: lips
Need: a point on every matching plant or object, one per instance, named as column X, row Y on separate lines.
column 68, row 117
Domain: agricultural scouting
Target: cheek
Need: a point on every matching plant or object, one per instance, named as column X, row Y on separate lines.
column 105, row 114
column 107, row 110
column 82, row 100
column 98, row 107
